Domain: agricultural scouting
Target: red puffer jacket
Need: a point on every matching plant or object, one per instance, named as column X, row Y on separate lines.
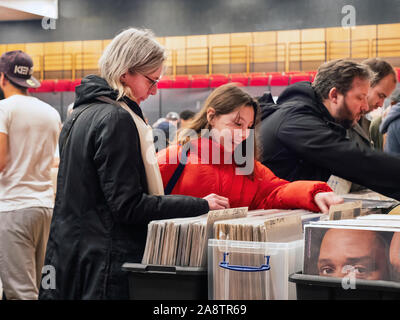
column 261, row 190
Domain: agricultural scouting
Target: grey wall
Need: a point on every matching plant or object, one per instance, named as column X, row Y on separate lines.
column 103, row 19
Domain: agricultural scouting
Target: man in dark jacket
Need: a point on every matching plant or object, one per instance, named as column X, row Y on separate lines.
column 303, row 137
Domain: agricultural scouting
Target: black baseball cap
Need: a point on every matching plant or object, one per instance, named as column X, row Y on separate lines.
column 18, row 68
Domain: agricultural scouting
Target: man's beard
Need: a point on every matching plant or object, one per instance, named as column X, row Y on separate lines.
column 345, row 117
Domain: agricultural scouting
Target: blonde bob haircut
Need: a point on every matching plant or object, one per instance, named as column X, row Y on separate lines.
column 134, row 51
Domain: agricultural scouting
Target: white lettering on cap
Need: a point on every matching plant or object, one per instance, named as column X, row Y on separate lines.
column 21, row 70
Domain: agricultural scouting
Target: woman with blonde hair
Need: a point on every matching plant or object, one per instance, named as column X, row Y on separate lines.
column 109, row 185
column 209, row 157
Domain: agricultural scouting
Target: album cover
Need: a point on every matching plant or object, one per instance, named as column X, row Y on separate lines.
column 363, row 252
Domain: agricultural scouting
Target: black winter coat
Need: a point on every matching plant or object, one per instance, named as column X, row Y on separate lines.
column 102, row 207
column 300, row 140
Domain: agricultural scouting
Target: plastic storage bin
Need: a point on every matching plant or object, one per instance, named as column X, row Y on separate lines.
column 155, row 282
column 245, row 270
column 310, row 287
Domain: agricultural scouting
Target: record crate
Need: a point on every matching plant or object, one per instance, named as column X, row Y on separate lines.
column 157, row 282
column 313, row 287
column 248, row 270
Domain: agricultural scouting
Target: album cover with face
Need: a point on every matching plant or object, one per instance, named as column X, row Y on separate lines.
column 361, row 252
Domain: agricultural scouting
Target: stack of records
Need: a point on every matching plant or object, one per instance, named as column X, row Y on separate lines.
column 183, row 241
column 266, row 226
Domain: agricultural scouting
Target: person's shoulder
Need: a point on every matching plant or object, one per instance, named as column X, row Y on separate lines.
column 8, row 102
column 301, row 106
column 47, row 109
column 295, row 111
column 260, row 170
column 3, row 105
column 32, row 100
column 106, row 111
column 395, row 126
column 397, row 114
column 258, row 165
column 112, row 118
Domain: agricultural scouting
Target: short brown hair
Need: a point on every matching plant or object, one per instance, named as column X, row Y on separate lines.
column 224, row 99
column 23, row 90
column 381, row 68
column 339, row 74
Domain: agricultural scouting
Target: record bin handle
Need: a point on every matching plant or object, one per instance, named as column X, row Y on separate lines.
column 264, row 267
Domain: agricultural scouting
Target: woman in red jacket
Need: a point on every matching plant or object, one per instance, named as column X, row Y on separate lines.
column 219, row 150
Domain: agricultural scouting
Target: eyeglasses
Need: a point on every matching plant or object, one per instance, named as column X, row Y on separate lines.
column 153, row 82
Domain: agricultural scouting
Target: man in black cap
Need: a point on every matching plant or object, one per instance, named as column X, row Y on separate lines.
column 29, row 130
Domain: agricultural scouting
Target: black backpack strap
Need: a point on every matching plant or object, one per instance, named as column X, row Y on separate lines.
column 178, row 171
column 108, row 100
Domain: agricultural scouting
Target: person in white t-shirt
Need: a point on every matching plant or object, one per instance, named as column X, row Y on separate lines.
column 29, row 130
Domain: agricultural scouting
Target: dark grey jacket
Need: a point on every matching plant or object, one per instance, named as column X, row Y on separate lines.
column 102, row 207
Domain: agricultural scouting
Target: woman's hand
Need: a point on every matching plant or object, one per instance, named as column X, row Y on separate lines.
column 216, row 202
column 325, row 199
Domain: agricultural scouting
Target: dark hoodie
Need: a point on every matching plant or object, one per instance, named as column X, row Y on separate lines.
column 267, row 105
column 93, row 87
column 102, row 207
column 300, row 140
column 391, row 127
